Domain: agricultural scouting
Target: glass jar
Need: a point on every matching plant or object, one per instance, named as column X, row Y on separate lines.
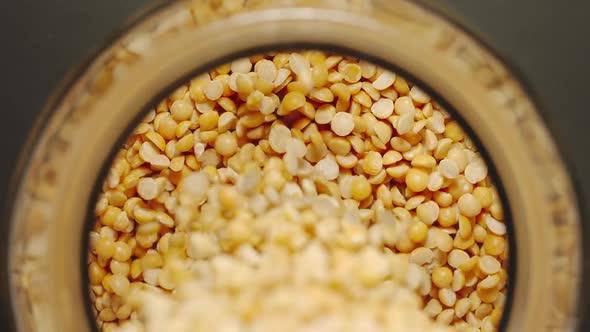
column 173, row 41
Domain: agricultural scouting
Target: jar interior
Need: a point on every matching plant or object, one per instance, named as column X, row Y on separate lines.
column 365, row 103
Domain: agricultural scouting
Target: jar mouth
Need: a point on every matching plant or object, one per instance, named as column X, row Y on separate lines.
column 296, row 46
column 337, row 31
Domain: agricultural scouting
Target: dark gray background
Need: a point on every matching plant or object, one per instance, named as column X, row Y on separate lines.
column 546, row 40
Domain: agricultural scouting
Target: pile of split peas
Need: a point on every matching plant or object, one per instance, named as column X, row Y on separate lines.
column 291, row 135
